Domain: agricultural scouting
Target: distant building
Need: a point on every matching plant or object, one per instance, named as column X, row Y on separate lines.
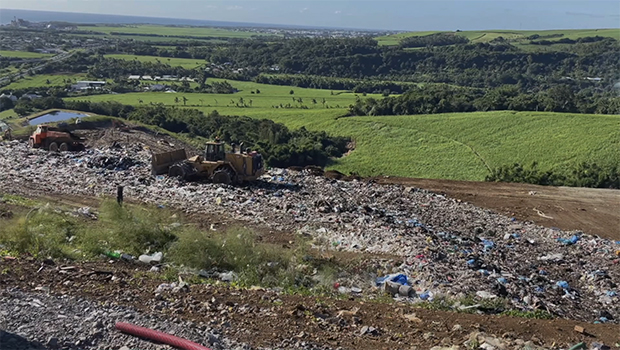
column 157, row 87
column 10, row 97
column 134, row 77
column 31, row 96
column 87, row 85
column 594, row 79
column 147, row 77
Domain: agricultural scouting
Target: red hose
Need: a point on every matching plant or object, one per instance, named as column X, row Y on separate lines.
column 158, row 336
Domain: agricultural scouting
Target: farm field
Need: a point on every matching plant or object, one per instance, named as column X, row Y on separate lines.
column 511, row 35
column 41, row 80
column 23, row 54
column 187, row 63
column 165, row 30
column 459, row 146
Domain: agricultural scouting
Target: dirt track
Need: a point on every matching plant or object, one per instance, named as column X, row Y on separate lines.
column 595, row 211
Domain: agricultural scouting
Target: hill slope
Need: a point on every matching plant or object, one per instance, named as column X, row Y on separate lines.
column 517, row 36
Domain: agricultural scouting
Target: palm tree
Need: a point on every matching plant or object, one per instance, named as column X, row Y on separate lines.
column 201, row 101
column 184, row 100
column 251, row 102
column 176, row 100
column 140, row 101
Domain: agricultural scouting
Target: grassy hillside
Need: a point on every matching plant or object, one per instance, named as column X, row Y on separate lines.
column 24, row 54
column 177, row 31
column 187, row 63
column 460, row 146
column 516, row 36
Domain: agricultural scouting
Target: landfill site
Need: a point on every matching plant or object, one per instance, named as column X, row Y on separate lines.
column 424, row 241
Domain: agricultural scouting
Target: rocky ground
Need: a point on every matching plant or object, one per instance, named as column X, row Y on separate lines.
column 448, row 248
column 76, row 307
column 35, row 320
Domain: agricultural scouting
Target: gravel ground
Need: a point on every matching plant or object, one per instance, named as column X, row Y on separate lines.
column 41, row 321
column 448, row 247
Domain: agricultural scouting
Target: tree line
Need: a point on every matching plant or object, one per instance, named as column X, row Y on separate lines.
column 437, row 39
column 584, row 174
column 431, row 99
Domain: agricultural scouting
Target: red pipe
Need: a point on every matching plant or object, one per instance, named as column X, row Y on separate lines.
column 158, row 336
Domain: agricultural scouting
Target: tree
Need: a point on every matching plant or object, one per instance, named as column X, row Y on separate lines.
column 201, row 101
column 6, row 103
column 257, row 91
column 184, row 100
column 176, row 100
column 291, row 92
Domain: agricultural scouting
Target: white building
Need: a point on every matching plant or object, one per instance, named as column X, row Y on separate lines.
column 87, row 85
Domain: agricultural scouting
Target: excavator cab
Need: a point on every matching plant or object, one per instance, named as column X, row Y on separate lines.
column 215, row 151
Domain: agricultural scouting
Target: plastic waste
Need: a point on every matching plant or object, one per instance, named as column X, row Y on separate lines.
column 569, row 241
column 562, row 284
column 399, row 278
column 114, row 255
column 155, row 258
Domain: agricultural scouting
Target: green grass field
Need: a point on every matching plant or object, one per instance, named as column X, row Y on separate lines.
column 41, row 80
column 177, row 31
column 458, row 146
column 269, row 96
column 517, row 36
column 24, row 54
column 187, row 63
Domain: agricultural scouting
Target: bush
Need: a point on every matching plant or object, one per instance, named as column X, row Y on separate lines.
column 42, row 233
column 130, row 229
column 583, row 175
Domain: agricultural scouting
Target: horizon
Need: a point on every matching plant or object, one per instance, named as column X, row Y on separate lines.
column 415, row 16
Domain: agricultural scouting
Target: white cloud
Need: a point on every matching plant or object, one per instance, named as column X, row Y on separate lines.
column 303, row 10
column 233, row 8
column 338, row 12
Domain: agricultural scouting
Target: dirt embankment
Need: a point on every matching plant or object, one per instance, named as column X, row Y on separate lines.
column 592, row 210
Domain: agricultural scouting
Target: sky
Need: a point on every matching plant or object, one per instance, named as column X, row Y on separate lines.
column 414, row 15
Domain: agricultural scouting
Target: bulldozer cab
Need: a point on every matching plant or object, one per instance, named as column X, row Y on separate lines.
column 214, row 151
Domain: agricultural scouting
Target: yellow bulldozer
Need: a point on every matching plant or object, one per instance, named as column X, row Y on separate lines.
column 215, row 164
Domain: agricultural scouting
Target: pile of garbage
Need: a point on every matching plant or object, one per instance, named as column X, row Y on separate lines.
column 448, row 248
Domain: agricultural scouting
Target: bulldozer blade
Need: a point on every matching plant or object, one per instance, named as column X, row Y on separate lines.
column 161, row 162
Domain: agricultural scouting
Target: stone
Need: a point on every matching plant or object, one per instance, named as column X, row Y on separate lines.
column 52, row 342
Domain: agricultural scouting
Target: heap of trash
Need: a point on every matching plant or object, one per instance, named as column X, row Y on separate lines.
column 448, row 248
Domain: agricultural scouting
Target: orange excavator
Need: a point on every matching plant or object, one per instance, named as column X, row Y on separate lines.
column 54, row 140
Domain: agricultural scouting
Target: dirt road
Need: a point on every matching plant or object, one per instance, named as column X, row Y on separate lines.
column 595, row 211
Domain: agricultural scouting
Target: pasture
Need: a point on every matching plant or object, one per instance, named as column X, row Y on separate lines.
column 42, row 80
column 24, row 54
column 517, row 36
column 187, row 63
